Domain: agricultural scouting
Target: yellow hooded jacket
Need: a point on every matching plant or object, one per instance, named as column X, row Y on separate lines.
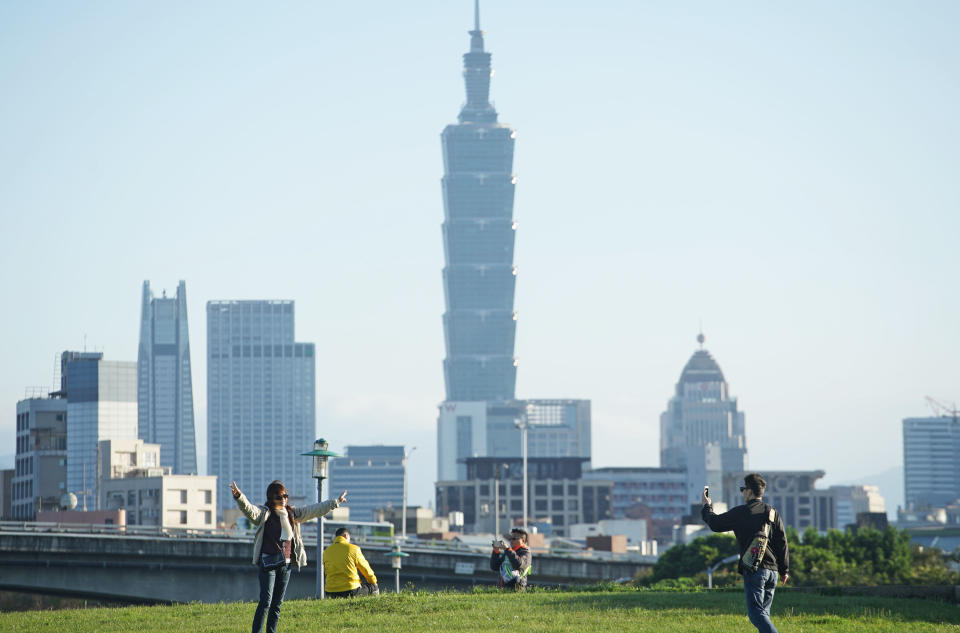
column 341, row 562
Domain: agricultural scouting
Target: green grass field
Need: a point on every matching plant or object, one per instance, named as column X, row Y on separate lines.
column 555, row 611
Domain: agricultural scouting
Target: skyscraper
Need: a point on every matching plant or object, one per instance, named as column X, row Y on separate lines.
column 931, row 461
column 373, row 475
column 478, row 237
column 164, row 379
column 702, row 414
column 101, row 405
column 261, row 399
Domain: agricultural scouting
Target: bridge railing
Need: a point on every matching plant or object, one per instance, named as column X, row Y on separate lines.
column 411, row 545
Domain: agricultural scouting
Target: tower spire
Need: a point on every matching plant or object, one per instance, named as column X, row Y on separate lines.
column 477, row 73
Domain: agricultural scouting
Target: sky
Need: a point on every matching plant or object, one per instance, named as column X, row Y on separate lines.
column 783, row 175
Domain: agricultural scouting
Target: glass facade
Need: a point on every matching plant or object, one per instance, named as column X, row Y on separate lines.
column 373, row 475
column 261, row 399
column 478, row 237
column 101, row 405
column 165, row 383
column 931, row 462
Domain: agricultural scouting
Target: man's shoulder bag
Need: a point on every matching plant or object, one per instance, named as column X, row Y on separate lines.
column 753, row 556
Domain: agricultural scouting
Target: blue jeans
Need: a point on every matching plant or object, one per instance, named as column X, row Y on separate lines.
column 759, row 587
column 273, row 586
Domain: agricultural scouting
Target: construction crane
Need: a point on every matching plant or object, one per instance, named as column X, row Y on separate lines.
column 943, row 411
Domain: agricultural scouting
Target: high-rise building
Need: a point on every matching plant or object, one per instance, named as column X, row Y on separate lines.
column 164, row 379
column 101, row 405
column 931, row 462
column 478, row 237
column 261, row 399
column 702, row 412
column 373, row 475
column 556, row 428
column 40, row 466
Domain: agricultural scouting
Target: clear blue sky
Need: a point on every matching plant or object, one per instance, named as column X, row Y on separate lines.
column 785, row 173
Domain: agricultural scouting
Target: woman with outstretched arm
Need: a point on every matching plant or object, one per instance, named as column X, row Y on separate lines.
column 278, row 545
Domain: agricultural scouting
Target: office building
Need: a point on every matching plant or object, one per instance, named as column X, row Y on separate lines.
column 373, row 476
column 165, row 383
column 101, row 405
column 555, row 428
column 478, row 237
column 856, row 500
column 652, row 493
column 491, row 495
column 931, row 462
column 40, row 464
column 702, row 412
column 261, row 399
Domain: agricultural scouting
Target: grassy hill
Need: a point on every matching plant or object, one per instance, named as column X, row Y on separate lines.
column 554, row 611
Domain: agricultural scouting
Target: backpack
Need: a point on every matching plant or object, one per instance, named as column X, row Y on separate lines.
column 753, row 556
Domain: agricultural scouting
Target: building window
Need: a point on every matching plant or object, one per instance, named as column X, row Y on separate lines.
column 557, row 504
column 183, row 499
column 208, row 497
column 207, row 517
column 556, row 490
column 183, row 517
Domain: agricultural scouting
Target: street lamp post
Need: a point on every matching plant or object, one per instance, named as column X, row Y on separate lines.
column 523, row 425
column 396, row 558
column 496, row 502
column 321, row 455
column 403, row 511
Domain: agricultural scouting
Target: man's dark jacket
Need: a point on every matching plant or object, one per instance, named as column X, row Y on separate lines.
column 746, row 521
column 520, row 560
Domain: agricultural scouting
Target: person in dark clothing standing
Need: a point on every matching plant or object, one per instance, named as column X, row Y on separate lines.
column 513, row 562
column 747, row 521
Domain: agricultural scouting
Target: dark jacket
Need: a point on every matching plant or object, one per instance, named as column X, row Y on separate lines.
column 519, row 561
column 746, row 521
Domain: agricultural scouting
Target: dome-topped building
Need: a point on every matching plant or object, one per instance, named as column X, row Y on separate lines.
column 702, row 430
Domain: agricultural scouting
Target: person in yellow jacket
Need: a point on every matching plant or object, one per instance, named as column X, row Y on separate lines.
column 342, row 561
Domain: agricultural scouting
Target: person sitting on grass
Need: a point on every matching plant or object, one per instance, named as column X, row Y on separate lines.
column 513, row 562
column 342, row 561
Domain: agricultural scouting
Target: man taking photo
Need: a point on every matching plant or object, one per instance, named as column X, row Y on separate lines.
column 512, row 561
column 762, row 543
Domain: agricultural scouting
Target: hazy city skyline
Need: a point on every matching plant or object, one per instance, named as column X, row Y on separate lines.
column 784, row 175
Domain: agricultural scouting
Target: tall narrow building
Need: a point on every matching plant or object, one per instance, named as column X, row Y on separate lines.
column 478, row 237
column 101, row 405
column 261, row 399
column 702, row 427
column 164, row 380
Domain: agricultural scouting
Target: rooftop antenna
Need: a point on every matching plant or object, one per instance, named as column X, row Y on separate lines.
column 700, row 337
column 476, row 15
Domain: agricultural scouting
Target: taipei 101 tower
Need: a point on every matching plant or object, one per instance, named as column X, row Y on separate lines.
column 478, row 237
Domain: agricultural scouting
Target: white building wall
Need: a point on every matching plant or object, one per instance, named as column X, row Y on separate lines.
column 451, row 443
